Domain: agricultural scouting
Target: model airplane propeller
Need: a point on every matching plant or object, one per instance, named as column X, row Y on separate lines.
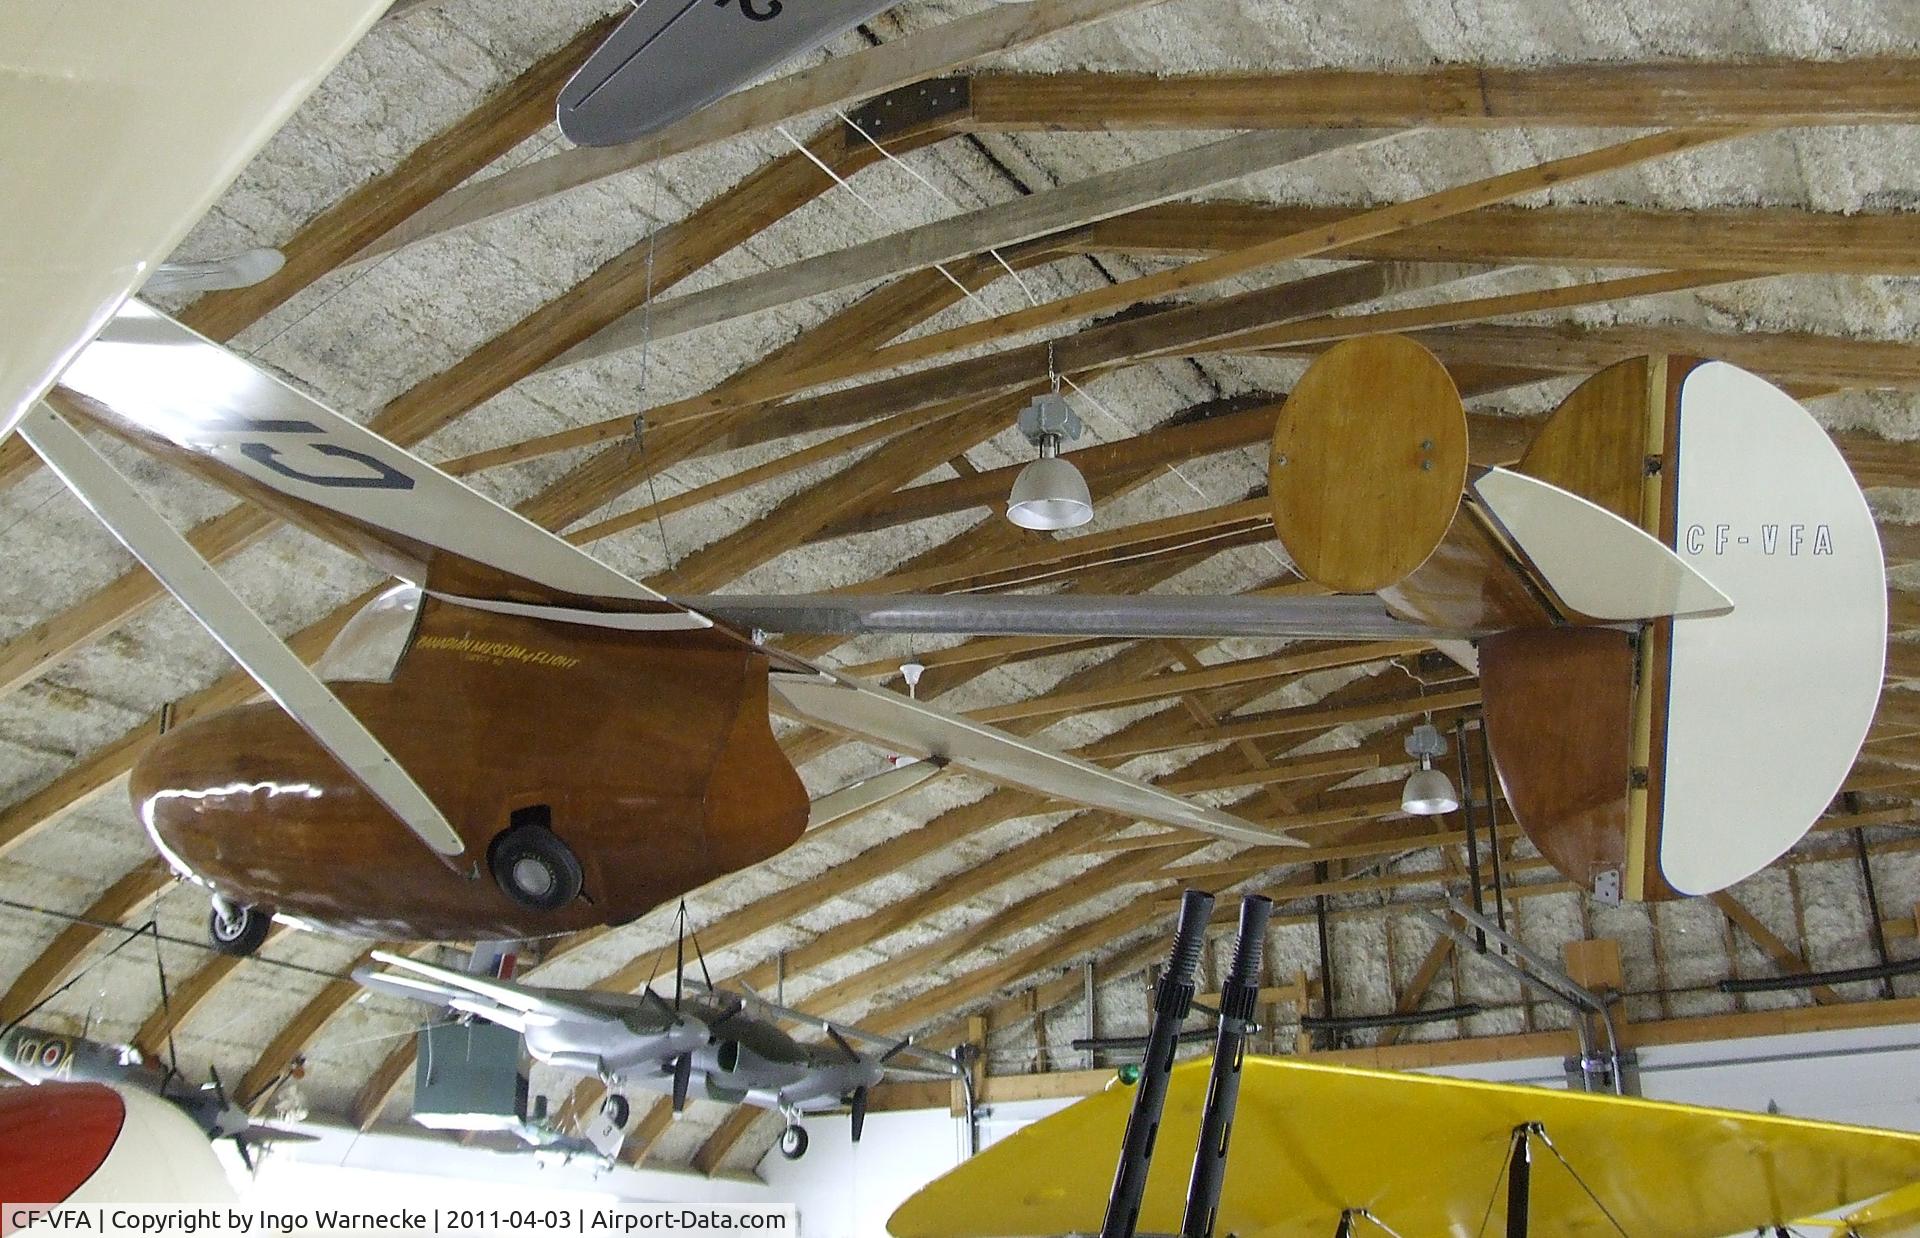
column 36, row 1057
column 731, row 1045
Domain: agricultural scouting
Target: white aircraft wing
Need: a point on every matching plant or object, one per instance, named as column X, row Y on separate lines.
column 860, row 708
column 185, row 399
column 500, row 1001
column 120, row 124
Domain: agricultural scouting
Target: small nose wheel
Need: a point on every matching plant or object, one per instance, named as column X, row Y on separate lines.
column 793, row 1142
column 616, row 1109
column 235, row 930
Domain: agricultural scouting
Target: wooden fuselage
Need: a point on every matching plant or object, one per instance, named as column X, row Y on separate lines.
column 653, row 752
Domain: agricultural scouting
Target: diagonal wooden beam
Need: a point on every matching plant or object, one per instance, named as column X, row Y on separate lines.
column 297, row 1035
column 840, row 80
column 1417, row 988
column 504, row 120
column 646, row 1133
column 1784, row 956
column 1026, row 218
column 1291, row 721
column 125, row 898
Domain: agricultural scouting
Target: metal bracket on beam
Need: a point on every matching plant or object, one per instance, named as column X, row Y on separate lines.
column 913, row 109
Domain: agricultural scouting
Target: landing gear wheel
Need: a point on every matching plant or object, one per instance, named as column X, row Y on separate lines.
column 238, row 931
column 535, row 868
column 616, row 1110
column 793, row 1142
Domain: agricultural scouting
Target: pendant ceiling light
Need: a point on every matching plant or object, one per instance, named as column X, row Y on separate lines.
column 1429, row 792
column 1049, row 493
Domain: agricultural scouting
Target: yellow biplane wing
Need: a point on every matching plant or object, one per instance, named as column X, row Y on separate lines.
column 1894, row 1215
column 1425, row 1156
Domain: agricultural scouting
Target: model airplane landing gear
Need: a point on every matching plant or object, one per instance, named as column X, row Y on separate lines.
column 532, row 865
column 237, row 930
column 616, row 1109
column 793, row 1141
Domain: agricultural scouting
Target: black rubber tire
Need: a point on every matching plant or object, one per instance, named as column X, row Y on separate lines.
column 526, row 855
column 242, row 938
column 616, row 1109
column 793, row 1142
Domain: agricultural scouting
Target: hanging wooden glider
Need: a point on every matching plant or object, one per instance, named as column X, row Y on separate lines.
column 1423, row 1155
column 1680, row 584
column 599, row 748
column 524, row 710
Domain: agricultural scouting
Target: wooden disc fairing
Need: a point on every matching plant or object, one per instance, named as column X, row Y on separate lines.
column 652, row 751
column 1369, row 459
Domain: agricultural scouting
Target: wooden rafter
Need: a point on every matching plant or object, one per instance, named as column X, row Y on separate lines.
column 1766, row 240
column 1625, row 96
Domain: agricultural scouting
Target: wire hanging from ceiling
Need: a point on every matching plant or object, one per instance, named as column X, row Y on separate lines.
column 646, row 363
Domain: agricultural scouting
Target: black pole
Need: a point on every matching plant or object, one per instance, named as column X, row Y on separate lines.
column 1238, row 998
column 1520, row 1182
column 1493, row 829
column 1473, row 838
column 1345, row 1228
column 1320, row 874
column 1172, row 999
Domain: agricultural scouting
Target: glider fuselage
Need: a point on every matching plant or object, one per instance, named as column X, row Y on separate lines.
column 649, row 755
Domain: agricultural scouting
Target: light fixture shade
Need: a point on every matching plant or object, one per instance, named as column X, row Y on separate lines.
column 1050, row 494
column 1429, row 793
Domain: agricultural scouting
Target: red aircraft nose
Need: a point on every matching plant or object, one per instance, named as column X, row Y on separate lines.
column 53, row 1137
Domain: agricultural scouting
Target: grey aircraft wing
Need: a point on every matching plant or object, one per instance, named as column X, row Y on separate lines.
column 499, row 1001
column 672, row 57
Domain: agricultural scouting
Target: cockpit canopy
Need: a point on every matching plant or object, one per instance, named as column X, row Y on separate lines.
column 370, row 645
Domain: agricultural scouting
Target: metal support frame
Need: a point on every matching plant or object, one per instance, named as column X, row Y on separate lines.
column 1173, row 998
column 1238, row 997
column 1467, row 823
column 1541, row 973
column 242, row 633
column 1493, row 827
